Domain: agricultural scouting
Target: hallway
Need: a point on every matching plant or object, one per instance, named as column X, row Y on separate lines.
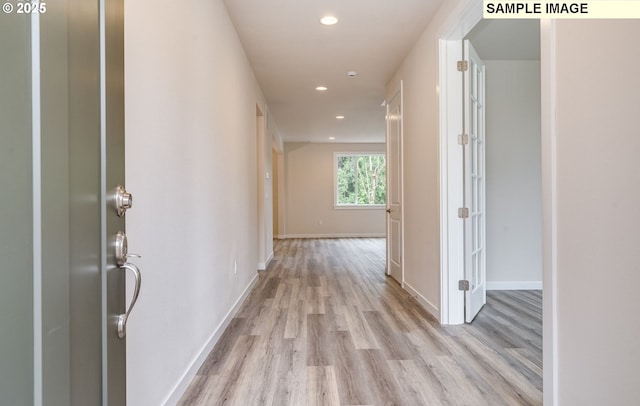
column 324, row 326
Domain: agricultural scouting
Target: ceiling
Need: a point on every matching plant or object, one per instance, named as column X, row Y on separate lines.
column 507, row 40
column 291, row 53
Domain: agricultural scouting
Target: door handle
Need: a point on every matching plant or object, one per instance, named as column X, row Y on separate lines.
column 388, row 210
column 122, row 319
column 122, row 253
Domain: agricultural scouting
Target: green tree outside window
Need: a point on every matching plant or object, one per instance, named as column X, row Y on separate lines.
column 361, row 179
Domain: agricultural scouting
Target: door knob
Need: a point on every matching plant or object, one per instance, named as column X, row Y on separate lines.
column 123, row 200
column 388, row 210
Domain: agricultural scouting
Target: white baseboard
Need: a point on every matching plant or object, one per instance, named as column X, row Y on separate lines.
column 183, row 384
column 348, row 235
column 514, row 285
column 428, row 306
column 263, row 265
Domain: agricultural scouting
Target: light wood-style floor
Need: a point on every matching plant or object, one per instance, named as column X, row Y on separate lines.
column 325, row 326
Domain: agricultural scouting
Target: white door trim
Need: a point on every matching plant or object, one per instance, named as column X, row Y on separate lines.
column 462, row 20
column 549, row 211
column 451, row 198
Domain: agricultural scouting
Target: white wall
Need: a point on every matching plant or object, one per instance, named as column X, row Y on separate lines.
column 514, row 212
column 191, row 165
column 592, row 194
column 420, row 75
column 191, row 134
column 421, row 125
column 309, row 195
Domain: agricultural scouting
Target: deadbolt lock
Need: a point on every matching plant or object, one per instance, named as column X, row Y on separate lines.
column 123, row 200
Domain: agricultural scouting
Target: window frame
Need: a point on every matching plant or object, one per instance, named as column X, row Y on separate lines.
column 336, row 156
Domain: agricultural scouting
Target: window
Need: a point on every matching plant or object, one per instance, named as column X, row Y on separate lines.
column 360, row 180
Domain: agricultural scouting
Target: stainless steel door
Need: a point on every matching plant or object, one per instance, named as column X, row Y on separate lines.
column 16, row 230
column 61, row 158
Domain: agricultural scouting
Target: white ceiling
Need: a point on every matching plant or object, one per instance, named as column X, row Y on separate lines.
column 292, row 53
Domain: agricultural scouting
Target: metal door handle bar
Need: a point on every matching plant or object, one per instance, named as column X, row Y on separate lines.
column 122, row 319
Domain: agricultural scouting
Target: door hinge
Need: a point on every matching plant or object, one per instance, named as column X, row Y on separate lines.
column 463, row 213
column 463, row 285
column 463, row 66
column 463, row 139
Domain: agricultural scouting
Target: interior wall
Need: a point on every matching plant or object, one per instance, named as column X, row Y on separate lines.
column 421, row 131
column 594, row 195
column 310, row 196
column 513, row 168
column 589, row 167
column 191, row 165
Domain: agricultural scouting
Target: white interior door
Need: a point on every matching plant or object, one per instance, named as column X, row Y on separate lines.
column 474, row 183
column 394, row 187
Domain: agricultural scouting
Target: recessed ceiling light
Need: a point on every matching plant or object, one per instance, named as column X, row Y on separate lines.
column 332, row 138
column 328, row 20
column 339, row 117
column 321, row 88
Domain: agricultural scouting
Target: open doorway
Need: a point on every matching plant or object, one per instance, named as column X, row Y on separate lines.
column 511, row 53
column 264, row 199
column 510, row 50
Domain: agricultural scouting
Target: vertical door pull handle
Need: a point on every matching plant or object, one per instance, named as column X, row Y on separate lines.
column 122, row 319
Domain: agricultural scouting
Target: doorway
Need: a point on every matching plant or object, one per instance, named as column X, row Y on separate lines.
column 513, row 152
column 264, row 191
column 452, row 240
column 274, row 192
column 513, row 228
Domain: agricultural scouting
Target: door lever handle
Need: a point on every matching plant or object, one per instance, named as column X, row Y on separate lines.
column 122, row 319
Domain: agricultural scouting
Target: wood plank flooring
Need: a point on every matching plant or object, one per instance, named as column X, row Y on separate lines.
column 325, row 326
